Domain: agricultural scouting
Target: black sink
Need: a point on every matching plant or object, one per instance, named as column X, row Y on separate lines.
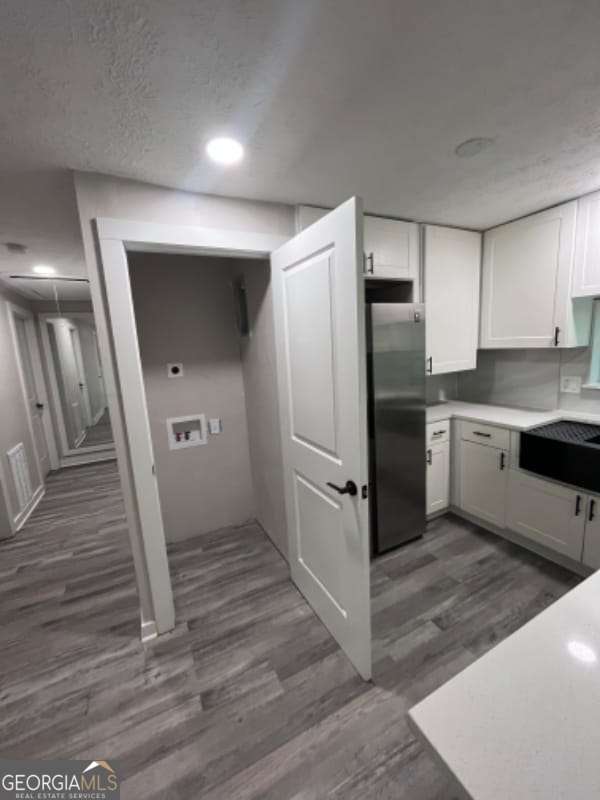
column 566, row 451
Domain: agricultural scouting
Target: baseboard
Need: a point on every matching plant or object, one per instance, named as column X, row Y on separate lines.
column 24, row 515
column 91, row 458
column 522, row 541
column 149, row 630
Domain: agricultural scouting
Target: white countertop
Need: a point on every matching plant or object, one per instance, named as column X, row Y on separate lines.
column 514, row 418
column 523, row 722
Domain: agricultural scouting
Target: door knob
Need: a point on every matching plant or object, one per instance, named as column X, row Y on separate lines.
column 350, row 488
column 39, row 406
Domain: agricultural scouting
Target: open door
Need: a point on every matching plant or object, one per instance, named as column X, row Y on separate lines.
column 319, row 325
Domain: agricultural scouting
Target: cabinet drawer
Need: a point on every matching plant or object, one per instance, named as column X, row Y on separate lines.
column 438, row 432
column 486, row 434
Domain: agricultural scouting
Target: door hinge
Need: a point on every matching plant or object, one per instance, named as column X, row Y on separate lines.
column 364, row 491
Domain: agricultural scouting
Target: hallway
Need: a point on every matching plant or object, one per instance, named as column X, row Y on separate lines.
column 249, row 697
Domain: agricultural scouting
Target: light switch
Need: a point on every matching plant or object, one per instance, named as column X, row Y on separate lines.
column 214, row 425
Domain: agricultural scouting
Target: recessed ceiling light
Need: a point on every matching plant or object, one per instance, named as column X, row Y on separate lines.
column 224, row 150
column 472, row 147
column 43, row 269
column 582, row 652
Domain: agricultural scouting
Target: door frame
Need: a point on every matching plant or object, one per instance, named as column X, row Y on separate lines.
column 38, row 378
column 70, row 455
column 121, row 363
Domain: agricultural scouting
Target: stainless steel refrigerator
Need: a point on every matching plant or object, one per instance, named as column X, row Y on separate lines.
column 396, row 378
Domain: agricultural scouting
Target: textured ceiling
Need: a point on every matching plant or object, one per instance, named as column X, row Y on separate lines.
column 330, row 97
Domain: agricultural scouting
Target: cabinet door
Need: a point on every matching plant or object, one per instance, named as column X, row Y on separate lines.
column 483, row 481
column 438, row 477
column 526, row 280
column 547, row 513
column 452, row 268
column 591, row 542
column 586, row 280
column 392, row 249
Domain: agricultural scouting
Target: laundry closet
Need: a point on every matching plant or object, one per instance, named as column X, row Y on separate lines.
column 206, row 341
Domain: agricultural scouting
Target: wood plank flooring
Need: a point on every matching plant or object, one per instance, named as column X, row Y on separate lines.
column 248, row 698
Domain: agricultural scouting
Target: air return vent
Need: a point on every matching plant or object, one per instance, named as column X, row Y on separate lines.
column 20, row 475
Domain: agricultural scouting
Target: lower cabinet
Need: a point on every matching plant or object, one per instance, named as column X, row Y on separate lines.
column 591, row 541
column 438, row 477
column 483, row 479
column 548, row 513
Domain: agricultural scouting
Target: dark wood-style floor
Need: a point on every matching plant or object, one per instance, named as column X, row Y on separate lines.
column 249, row 698
column 100, row 433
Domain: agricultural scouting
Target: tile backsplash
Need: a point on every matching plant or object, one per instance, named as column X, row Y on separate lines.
column 523, row 378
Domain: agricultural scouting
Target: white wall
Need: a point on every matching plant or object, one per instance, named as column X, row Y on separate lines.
column 184, row 312
column 262, row 407
column 104, row 196
column 59, row 331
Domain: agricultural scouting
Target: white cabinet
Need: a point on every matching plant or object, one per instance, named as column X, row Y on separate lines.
column 591, row 543
column 437, row 457
column 586, row 280
column 547, row 513
column 391, row 246
column 483, row 471
column 526, row 283
column 452, row 265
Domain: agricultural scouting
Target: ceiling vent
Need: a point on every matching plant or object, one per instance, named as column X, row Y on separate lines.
column 16, row 248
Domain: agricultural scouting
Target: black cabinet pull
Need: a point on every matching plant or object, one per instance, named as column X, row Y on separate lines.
column 592, row 513
column 349, row 488
column 578, row 505
column 430, row 365
column 438, row 433
column 430, row 457
column 39, row 406
column 485, row 435
column 371, row 264
column 556, row 332
column 502, row 460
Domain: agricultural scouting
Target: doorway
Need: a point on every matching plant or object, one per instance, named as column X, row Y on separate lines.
column 319, row 324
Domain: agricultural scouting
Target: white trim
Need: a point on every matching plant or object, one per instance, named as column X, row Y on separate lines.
column 21, row 518
column 111, row 293
column 149, row 631
column 69, row 455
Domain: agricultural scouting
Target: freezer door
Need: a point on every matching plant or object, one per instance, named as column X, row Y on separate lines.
column 397, row 422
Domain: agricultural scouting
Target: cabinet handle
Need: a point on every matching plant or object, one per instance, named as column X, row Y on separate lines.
column 430, row 365
column 556, row 332
column 430, row 456
column 370, row 263
column 480, row 433
column 592, row 513
column 438, row 433
column 578, row 505
column 502, row 460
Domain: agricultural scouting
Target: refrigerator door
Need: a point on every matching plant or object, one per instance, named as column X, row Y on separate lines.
column 397, row 422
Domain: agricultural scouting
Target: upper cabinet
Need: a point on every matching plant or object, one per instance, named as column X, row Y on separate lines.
column 452, row 263
column 586, row 280
column 391, row 246
column 526, row 283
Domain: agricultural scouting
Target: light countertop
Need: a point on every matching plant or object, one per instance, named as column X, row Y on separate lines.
column 514, row 418
column 523, row 722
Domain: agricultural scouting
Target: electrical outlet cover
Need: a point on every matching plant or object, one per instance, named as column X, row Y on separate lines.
column 570, row 384
column 175, row 370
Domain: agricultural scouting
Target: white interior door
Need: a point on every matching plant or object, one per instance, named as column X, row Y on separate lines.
column 35, row 408
column 319, row 322
column 84, row 397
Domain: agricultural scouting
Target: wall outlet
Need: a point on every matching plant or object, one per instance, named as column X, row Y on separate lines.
column 175, row 370
column 570, row 385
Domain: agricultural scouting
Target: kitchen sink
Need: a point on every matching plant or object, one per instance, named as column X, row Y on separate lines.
column 566, row 451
